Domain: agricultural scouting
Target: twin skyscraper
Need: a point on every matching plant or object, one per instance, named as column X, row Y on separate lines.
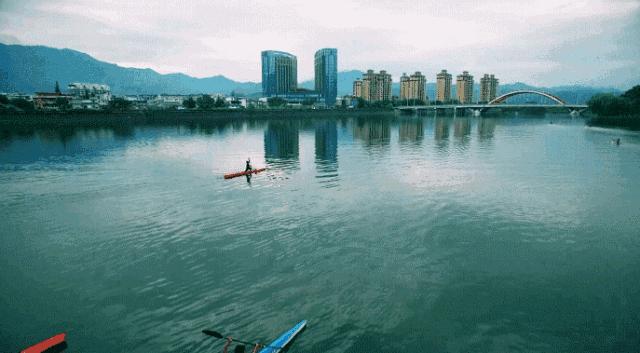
column 280, row 76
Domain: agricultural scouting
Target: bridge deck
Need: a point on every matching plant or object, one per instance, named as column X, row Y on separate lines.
column 488, row 106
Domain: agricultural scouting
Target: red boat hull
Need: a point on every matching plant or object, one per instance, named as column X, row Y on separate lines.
column 46, row 344
column 233, row 175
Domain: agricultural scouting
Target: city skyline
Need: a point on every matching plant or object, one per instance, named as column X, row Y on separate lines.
column 545, row 43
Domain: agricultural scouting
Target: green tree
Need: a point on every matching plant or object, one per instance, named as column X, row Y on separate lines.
column 276, row 102
column 382, row 104
column 23, row 104
column 119, row 104
column 57, row 89
column 220, row 103
column 633, row 98
column 189, row 103
column 607, row 104
column 205, row 102
column 63, row 103
column 402, row 102
column 633, row 93
column 361, row 103
column 4, row 99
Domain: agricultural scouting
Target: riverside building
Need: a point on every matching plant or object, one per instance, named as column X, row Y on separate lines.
column 279, row 73
column 89, row 95
column 326, row 74
column 413, row 87
column 488, row 88
column 443, row 87
column 357, row 88
column 464, row 88
column 373, row 87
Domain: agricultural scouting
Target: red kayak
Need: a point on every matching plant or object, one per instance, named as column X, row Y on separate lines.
column 46, row 344
column 253, row 171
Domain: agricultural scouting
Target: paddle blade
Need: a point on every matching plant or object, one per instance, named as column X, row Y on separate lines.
column 239, row 349
column 212, row 333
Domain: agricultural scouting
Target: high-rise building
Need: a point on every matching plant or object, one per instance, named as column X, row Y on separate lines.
column 464, row 88
column 279, row 73
column 373, row 87
column 413, row 87
column 357, row 89
column 443, row 87
column 488, row 88
column 326, row 74
column 404, row 86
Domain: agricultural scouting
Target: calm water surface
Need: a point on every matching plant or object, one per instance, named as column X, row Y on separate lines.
column 396, row 234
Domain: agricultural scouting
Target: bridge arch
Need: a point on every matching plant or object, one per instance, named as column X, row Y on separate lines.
column 504, row 97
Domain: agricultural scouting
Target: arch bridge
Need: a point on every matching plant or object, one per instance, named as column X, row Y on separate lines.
column 499, row 102
column 506, row 96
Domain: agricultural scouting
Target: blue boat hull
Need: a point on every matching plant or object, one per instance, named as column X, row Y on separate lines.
column 281, row 342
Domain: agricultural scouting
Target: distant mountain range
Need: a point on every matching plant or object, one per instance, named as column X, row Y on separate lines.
column 31, row 69
column 36, row 68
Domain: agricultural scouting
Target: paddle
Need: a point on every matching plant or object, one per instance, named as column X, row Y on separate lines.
column 218, row 335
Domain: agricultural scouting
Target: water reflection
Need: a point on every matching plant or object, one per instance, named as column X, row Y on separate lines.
column 237, row 125
column 486, row 128
column 327, row 152
column 441, row 132
column 59, row 133
column 28, row 144
column 34, row 139
column 411, row 131
column 372, row 131
column 282, row 144
column 461, row 127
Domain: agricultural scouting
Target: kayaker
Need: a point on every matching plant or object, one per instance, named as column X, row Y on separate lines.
column 248, row 168
column 226, row 345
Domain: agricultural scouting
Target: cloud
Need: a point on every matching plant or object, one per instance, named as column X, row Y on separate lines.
column 545, row 42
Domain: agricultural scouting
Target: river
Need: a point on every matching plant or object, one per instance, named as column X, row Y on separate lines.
column 388, row 234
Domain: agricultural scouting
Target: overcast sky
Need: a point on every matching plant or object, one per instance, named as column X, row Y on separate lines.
column 541, row 42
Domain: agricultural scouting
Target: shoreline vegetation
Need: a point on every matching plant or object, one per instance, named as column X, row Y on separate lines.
column 613, row 111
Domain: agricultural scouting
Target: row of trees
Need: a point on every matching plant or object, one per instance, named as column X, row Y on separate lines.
column 19, row 103
column 611, row 105
column 361, row 103
column 204, row 103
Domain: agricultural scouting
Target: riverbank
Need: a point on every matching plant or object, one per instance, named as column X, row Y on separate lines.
column 631, row 122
